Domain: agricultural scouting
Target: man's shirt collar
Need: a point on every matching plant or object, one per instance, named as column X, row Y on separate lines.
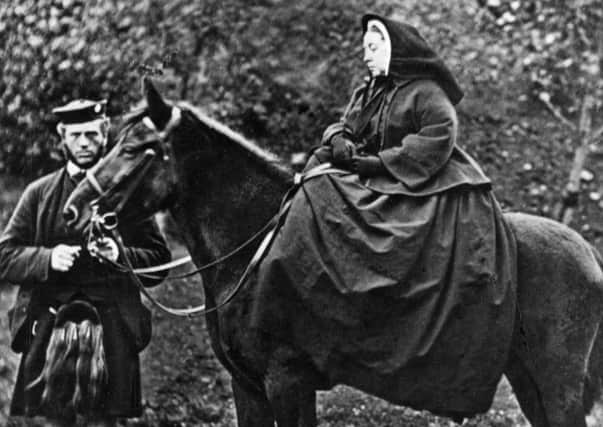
column 73, row 169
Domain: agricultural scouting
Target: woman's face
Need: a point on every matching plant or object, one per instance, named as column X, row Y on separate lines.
column 377, row 49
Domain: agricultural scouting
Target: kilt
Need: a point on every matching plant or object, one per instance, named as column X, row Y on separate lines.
column 123, row 397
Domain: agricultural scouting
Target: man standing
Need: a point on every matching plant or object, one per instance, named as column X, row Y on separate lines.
column 65, row 293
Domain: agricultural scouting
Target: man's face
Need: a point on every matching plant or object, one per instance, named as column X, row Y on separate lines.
column 84, row 141
column 377, row 50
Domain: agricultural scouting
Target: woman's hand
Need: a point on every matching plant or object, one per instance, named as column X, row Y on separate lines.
column 343, row 150
column 367, row 165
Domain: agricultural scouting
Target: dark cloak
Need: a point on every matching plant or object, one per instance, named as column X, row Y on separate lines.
column 401, row 285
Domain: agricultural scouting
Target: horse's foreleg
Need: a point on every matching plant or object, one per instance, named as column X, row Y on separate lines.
column 294, row 407
column 253, row 408
column 290, row 387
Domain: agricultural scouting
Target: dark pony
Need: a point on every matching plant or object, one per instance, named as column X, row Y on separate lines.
column 221, row 189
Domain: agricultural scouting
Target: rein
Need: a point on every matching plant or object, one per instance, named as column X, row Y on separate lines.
column 272, row 226
column 108, row 223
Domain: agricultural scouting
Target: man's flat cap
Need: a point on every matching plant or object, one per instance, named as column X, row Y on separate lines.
column 81, row 111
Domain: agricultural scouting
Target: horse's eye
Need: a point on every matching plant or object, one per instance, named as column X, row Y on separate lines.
column 128, row 149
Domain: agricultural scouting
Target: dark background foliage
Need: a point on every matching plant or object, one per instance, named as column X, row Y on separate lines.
column 277, row 70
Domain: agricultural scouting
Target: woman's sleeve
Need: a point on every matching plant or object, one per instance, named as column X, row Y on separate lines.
column 341, row 126
column 421, row 155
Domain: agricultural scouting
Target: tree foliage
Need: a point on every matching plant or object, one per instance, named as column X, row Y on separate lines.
column 223, row 54
column 280, row 71
column 563, row 42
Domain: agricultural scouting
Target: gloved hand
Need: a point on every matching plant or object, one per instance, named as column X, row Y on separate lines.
column 367, row 165
column 343, row 149
column 105, row 247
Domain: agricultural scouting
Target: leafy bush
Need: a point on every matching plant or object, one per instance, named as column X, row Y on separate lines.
column 226, row 55
column 563, row 46
column 280, row 71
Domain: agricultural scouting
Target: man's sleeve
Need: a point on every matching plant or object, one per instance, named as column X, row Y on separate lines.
column 146, row 247
column 22, row 262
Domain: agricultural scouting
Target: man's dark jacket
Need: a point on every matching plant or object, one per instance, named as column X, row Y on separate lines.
column 26, row 243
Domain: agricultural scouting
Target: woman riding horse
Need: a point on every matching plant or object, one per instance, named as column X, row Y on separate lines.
column 415, row 222
column 414, row 341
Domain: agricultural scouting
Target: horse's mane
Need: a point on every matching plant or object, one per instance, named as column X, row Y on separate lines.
column 270, row 161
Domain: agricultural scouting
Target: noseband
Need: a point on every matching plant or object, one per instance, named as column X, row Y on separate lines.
column 141, row 168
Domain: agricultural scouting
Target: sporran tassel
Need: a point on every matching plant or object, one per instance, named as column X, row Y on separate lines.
column 74, row 373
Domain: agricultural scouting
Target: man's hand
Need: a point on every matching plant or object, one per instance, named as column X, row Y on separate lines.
column 63, row 257
column 106, row 247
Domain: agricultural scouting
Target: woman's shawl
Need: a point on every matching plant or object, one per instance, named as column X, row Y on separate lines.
column 417, row 139
column 413, row 59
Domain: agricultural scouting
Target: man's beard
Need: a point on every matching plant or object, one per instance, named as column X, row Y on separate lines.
column 87, row 165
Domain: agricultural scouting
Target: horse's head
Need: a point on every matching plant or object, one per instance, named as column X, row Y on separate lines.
column 140, row 175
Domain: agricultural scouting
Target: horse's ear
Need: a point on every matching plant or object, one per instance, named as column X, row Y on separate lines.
column 159, row 112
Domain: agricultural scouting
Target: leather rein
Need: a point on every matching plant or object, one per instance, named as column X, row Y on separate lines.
column 101, row 224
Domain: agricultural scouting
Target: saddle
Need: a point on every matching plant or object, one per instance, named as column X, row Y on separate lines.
column 74, row 372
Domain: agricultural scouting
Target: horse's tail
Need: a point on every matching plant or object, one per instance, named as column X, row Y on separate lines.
column 593, row 386
column 598, row 256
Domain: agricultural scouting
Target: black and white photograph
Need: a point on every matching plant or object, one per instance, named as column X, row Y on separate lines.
column 301, row 213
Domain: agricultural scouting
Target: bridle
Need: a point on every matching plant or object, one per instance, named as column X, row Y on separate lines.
column 107, row 223
column 138, row 171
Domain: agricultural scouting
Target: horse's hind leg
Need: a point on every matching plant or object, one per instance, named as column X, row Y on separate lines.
column 253, row 408
column 545, row 403
column 593, row 389
column 549, row 359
